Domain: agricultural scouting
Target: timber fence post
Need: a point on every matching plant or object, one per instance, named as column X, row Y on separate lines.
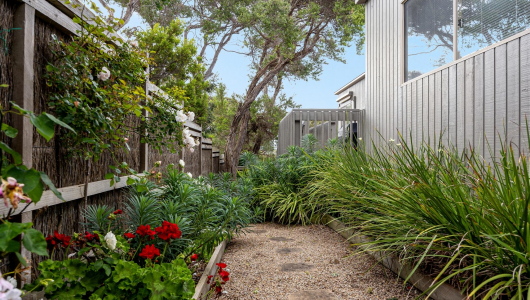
column 23, row 53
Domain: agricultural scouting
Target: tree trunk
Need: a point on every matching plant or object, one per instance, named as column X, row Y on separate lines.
column 236, row 137
column 257, row 144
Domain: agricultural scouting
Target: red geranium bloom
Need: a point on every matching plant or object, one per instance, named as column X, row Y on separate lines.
column 89, row 236
column 194, row 257
column 168, row 231
column 221, row 265
column 62, row 238
column 218, row 289
column 129, row 235
column 209, row 278
column 118, row 212
column 224, row 275
column 51, row 242
column 149, row 252
column 144, row 230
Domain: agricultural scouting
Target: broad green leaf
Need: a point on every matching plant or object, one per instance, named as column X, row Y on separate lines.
column 47, row 181
column 13, row 246
column 9, row 231
column 9, row 131
column 16, row 156
column 109, row 176
column 59, row 122
column 20, row 109
column 21, row 259
column 35, row 242
column 45, row 126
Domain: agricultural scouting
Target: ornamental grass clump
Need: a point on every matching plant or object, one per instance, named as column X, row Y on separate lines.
column 459, row 217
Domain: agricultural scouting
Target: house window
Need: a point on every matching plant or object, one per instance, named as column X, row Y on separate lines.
column 430, row 29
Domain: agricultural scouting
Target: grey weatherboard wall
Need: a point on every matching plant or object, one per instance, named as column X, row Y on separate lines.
column 478, row 100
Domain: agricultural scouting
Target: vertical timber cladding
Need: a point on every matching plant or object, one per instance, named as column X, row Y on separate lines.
column 481, row 100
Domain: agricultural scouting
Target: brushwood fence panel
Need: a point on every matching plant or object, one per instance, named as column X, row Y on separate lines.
column 68, row 172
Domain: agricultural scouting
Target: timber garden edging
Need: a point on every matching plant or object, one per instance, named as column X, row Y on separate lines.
column 420, row 281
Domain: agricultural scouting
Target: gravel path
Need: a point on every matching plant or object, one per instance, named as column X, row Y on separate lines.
column 303, row 263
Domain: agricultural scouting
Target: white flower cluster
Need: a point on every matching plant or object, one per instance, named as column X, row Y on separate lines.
column 188, row 140
column 182, row 117
column 104, row 75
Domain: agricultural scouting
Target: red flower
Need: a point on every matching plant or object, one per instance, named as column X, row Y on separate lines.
column 224, row 275
column 149, row 252
column 194, row 257
column 118, row 212
column 145, row 230
column 209, row 278
column 218, row 289
column 168, row 231
column 62, row 238
column 221, row 265
column 129, row 235
column 89, row 237
column 51, row 242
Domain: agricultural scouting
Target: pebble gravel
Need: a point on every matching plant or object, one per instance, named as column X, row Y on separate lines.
column 276, row 262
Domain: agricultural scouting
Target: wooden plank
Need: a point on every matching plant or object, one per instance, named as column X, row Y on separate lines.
column 438, row 109
column 70, row 193
column 452, row 106
column 445, row 107
column 460, row 106
column 489, row 104
column 432, row 110
column 525, row 92
column 413, row 113
column 419, row 112
column 408, row 127
column 23, row 76
column 23, row 53
column 469, row 123
column 479, row 104
column 49, row 13
column 426, row 112
column 513, row 123
column 500, row 97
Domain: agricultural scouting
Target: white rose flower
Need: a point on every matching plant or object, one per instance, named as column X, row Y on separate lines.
column 190, row 141
column 189, row 174
column 192, row 150
column 186, row 132
column 110, row 240
column 191, row 116
column 104, row 75
column 392, row 140
column 182, row 163
column 181, row 116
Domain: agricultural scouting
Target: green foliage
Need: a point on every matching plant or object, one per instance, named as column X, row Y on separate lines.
column 96, row 105
column 33, row 240
column 114, row 279
column 205, row 214
column 175, row 66
column 97, row 217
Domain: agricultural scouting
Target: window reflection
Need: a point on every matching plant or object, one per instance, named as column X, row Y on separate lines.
column 484, row 22
column 429, row 35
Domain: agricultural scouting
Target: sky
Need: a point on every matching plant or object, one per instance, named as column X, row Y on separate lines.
column 232, row 69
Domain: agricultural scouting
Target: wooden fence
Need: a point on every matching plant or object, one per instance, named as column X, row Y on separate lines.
column 324, row 124
column 27, row 27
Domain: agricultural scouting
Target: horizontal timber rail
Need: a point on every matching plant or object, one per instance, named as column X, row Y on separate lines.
column 345, row 125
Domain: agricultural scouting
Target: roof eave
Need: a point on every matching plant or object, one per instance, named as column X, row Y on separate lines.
column 351, row 83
